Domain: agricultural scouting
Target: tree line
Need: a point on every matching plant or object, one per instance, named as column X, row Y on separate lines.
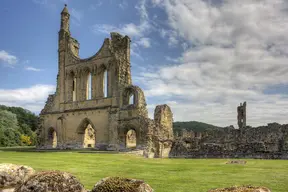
column 17, row 126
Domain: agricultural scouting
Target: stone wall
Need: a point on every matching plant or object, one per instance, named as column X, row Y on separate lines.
column 160, row 136
column 267, row 142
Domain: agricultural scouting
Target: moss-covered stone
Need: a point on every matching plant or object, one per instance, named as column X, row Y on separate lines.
column 50, row 181
column 12, row 175
column 118, row 184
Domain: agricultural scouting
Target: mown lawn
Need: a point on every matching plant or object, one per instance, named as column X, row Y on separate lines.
column 167, row 175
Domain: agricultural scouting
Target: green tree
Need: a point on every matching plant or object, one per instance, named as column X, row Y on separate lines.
column 9, row 129
column 23, row 116
column 21, row 121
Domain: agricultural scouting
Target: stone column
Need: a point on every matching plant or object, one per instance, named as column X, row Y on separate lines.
column 99, row 78
column 78, row 88
column 94, row 85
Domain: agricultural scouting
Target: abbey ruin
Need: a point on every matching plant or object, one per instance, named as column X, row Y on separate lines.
column 97, row 106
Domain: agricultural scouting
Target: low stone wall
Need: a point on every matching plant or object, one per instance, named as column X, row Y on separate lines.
column 265, row 142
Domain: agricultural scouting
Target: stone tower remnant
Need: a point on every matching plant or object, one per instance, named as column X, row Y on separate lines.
column 241, row 115
column 96, row 104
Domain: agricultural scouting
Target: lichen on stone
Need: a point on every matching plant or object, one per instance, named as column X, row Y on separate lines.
column 119, row 184
column 50, row 181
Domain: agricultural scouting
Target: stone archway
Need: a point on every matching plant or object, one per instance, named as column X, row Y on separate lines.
column 52, row 137
column 131, row 139
column 86, row 134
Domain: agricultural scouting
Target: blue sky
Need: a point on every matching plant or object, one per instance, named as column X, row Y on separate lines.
column 202, row 57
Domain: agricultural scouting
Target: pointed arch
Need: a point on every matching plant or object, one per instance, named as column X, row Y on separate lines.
column 86, row 134
column 84, row 123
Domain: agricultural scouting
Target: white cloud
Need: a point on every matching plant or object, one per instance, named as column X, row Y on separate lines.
column 170, row 35
column 144, row 42
column 7, row 58
column 137, row 32
column 233, row 51
column 130, row 29
column 32, row 98
column 33, row 69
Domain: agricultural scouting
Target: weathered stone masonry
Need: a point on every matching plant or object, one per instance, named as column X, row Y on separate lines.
column 264, row 142
column 96, row 93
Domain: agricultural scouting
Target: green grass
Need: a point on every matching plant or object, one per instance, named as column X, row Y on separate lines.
column 167, row 175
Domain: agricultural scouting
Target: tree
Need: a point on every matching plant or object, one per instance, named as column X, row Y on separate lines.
column 15, row 121
column 23, row 116
column 9, row 129
column 25, row 140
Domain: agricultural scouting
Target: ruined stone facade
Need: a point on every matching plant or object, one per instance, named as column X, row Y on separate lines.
column 95, row 103
column 241, row 115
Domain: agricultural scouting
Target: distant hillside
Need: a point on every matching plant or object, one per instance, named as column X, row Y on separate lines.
column 192, row 125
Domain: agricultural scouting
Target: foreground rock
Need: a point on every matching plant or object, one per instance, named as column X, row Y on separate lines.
column 241, row 189
column 51, row 181
column 12, row 175
column 118, row 184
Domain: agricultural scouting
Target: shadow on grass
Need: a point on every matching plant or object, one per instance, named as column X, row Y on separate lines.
column 33, row 149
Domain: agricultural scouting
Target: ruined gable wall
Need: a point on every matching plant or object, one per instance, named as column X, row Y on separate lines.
column 260, row 142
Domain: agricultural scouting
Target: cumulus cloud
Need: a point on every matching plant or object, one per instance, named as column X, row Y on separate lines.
column 144, row 42
column 137, row 32
column 130, row 29
column 233, row 52
column 7, row 58
column 32, row 98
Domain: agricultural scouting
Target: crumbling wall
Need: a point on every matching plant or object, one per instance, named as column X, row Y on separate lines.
column 160, row 137
column 269, row 141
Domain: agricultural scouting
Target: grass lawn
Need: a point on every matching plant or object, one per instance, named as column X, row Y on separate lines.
column 167, row 175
